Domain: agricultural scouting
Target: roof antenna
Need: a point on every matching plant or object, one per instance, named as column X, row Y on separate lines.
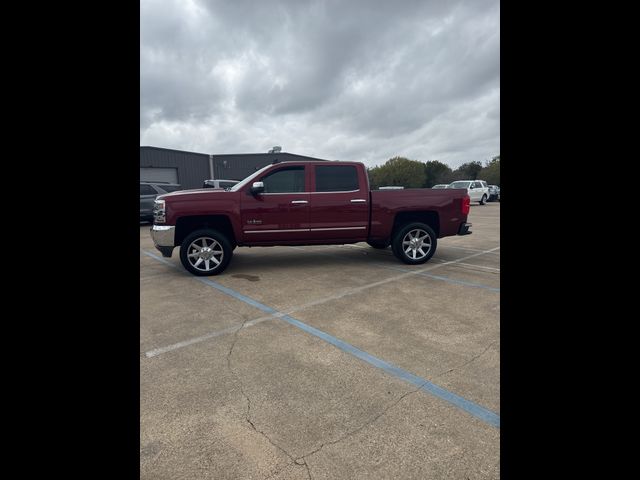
column 275, row 149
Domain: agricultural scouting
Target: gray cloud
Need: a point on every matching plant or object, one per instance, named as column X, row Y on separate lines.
column 359, row 80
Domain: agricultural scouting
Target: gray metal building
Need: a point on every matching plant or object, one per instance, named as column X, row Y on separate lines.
column 191, row 169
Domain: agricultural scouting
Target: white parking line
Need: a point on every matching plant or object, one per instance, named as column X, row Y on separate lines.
column 218, row 333
column 175, row 346
column 480, row 267
column 376, row 263
column 351, row 291
column 469, row 249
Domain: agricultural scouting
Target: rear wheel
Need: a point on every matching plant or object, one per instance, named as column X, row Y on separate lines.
column 414, row 243
column 378, row 244
column 483, row 200
column 205, row 252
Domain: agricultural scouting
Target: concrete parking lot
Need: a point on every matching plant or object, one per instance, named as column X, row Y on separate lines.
column 334, row 362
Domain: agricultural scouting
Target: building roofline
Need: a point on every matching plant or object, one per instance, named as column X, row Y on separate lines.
column 344, row 162
column 231, row 154
column 173, row 150
column 269, row 155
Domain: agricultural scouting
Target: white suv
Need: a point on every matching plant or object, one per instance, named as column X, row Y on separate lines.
column 219, row 184
column 478, row 190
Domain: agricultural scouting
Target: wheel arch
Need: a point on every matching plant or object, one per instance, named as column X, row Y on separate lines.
column 187, row 224
column 428, row 217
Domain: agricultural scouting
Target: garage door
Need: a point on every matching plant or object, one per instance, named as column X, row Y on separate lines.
column 151, row 174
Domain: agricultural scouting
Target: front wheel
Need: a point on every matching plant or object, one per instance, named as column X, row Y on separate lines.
column 483, row 200
column 414, row 243
column 205, row 252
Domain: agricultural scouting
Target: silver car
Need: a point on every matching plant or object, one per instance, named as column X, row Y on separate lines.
column 494, row 193
column 148, row 193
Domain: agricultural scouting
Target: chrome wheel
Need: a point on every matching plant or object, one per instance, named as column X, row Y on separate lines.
column 416, row 244
column 205, row 254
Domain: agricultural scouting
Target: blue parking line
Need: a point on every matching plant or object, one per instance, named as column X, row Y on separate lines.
column 468, row 406
column 217, row 286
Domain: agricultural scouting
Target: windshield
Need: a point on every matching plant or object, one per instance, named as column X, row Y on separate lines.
column 459, row 185
column 250, row 178
column 170, row 188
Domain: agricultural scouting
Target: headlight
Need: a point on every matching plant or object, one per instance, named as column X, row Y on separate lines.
column 159, row 212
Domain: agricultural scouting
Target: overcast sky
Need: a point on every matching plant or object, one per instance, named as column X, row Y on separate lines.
column 361, row 80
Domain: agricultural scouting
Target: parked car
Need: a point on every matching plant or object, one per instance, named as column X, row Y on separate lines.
column 494, row 193
column 477, row 189
column 304, row 203
column 440, row 185
column 148, row 193
column 219, row 184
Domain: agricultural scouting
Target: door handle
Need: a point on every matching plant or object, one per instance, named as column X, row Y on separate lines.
column 299, row 201
column 358, row 200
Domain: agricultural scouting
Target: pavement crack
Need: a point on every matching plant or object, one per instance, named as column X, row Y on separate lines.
column 234, row 374
column 308, row 471
column 248, row 399
column 473, row 359
column 363, row 426
column 295, row 463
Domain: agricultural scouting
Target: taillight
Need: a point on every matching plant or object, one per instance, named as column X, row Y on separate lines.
column 466, row 204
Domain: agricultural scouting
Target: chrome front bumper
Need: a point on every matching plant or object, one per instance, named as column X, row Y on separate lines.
column 163, row 235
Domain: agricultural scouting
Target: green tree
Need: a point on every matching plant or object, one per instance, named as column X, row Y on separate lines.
column 436, row 172
column 468, row 171
column 398, row 171
column 491, row 171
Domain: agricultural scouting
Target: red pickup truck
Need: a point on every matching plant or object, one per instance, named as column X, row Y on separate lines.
column 305, row 203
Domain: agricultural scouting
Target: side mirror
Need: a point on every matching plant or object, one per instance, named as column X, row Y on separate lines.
column 256, row 188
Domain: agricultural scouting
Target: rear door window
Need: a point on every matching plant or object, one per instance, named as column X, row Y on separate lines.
column 336, row 178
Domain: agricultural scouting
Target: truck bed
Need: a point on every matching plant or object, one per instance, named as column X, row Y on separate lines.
column 445, row 203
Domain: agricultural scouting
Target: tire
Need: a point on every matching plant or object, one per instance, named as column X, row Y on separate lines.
column 378, row 244
column 206, row 266
column 401, row 239
column 483, row 200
